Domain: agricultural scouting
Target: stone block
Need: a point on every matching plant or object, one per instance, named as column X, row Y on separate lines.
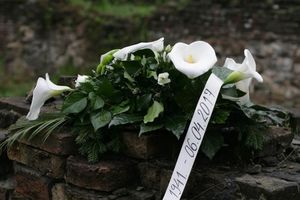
column 45, row 163
column 150, row 175
column 58, row 192
column 8, row 117
column 149, row 145
column 106, row 175
column 6, row 188
column 276, row 140
column 17, row 104
column 32, row 184
column 60, row 142
column 268, row 187
column 17, row 196
column 75, row 193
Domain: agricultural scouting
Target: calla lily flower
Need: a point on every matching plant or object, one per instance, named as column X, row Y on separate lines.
column 243, row 74
column 163, row 78
column 80, row 79
column 194, row 59
column 43, row 91
column 155, row 46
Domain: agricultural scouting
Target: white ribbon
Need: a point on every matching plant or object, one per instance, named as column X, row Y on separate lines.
column 193, row 139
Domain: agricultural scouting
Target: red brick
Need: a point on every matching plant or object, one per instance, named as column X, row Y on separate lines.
column 106, row 175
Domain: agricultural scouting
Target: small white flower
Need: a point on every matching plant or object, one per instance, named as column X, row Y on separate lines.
column 80, row 79
column 155, row 46
column 43, row 91
column 163, row 78
column 194, row 59
column 243, row 73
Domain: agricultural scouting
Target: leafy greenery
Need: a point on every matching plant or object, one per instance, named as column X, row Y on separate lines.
column 126, row 92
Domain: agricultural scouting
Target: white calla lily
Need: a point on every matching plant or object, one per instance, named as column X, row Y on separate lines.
column 43, row 91
column 194, row 59
column 81, row 79
column 155, row 46
column 243, row 74
column 163, row 78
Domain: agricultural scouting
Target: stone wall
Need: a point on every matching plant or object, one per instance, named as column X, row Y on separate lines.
column 63, row 35
column 53, row 170
column 270, row 29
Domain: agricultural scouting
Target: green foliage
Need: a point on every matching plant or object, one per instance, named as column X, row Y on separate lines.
column 212, row 143
column 153, row 112
column 42, row 128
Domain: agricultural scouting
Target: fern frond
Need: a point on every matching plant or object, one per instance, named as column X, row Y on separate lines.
column 43, row 127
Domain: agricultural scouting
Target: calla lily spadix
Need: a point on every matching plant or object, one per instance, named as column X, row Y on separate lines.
column 43, row 91
column 243, row 74
column 155, row 46
column 81, row 79
column 193, row 59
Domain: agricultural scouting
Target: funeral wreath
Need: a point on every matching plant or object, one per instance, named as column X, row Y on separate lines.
column 150, row 87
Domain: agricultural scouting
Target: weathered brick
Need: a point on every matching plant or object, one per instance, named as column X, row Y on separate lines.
column 276, row 139
column 149, row 145
column 75, row 193
column 8, row 117
column 150, row 175
column 58, row 192
column 46, row 163
column 269, row 187
column 6, row 187
column 60, row 142
column 32, row 184
column 106, row 175
column 17, row 104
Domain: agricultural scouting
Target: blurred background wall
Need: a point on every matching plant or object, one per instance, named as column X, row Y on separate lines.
column 66, row 37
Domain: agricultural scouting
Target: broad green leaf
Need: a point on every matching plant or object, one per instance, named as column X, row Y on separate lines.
column 132, row 67
column 176, row 124
column 212, row 143
column 74, row 103
column 142, row 102
column 148, row 128
column 221, row 72
column 121, row 108
column 96, row 101
column 100, row 119
column 232, row 92
column 105, row 87
column 220, row 116
column 125, row 119
column 153, row 112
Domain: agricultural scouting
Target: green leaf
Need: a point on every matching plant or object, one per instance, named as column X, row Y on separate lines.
column 221, row 72
column 96, row 101
column 151, row 74
column 100, row 119
column 153, row 112
column 148, row 128
column 132, row 67
column 212, row 143
column 74, row 103
column 220, row 116
column 105, row 87
column 121, row 108
column 254, row 140
column 142, row 102
column 232, row 91
column 125, row 119
column 128, row 77
column 176, row 124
